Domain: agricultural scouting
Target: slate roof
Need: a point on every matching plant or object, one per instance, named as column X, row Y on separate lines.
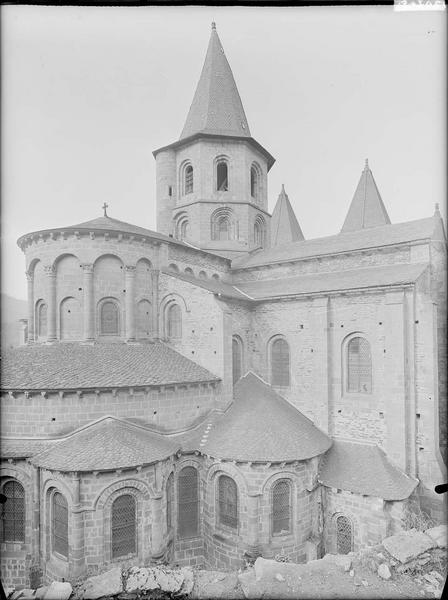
column 285, row 227
column 76, row 366
column 216, row 106
column 332, row 281
column 398, row 233
column 212, row 285
column 364, row 469
column 107, row 444
column 367, row 208
column 22, row 448
column 261, row 426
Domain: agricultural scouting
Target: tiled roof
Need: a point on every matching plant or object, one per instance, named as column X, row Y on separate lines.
column 364, row 469
column 213, row 285
column 367, row 208
column 344, row 242
column 262, row 426
column 285, row 227
column 216, row 106
column 23, row 448
column 76, row 366
column 328, row 282
column 107, row 444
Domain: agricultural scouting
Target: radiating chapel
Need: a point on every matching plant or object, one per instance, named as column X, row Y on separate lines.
column 222, row 388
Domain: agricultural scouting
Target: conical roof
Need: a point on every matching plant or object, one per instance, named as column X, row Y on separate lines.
column 284, row 225
column 367, row 208
column 261, row 426
column 216, row 107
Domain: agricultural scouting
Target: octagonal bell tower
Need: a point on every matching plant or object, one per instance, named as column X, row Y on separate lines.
column 212, row 182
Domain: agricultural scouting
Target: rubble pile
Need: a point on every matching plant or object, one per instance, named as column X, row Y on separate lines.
column 410, row 564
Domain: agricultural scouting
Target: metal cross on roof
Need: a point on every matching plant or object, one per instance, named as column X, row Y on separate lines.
column 105, row 207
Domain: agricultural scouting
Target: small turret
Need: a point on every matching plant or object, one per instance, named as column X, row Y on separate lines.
column 285, row 227
column 367, row 208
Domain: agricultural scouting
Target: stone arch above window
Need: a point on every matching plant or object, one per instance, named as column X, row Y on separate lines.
column 41, row 320
column 237, row 357
column 188, row 502
column 259, row 231
column 189, row 271
column 144, row 318
column 109, row 317
column 222, row 174
column 173, row 268
column 123, row 526
column 227, row 502
column 358, row 365
column 281, row 507
column 59, row 524
column 216, row 277
column 279, row 362
column 12, row 524
column 143, row 281
column 223, row 225
column 255, row 181
column 182, row 226
column 202, row 275
column 187, row 178
column 70, row 319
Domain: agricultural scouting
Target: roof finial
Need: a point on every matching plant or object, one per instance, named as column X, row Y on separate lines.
column 213, row 25
column 366, row 166
column 283, row 188
column 436, row 210
column 105, row 207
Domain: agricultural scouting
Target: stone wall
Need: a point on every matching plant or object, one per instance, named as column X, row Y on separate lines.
column 166, row 408
column 365, row 513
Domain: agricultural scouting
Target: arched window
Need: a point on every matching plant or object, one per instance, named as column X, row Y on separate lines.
column 359, row 366
column 254, row 182
column 259, row 231
column 169, row 501
column 344, row 535
column 189, row 271
column 173, row 321
column 188, row 502
column 280, row 363
column 281, row 507
column 109, row 318
column 12, row 524
column 237, row 358
column 59, row 524
column 183, row 230
column 144, row 319
column 124, row 538
column 227, row 502
column 222, row 180
column 188, row 179
column 41, row 325
column 223, row 228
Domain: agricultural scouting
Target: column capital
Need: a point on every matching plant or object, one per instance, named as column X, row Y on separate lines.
column 87, row 267
column 50, row 271
column 129, row 269
column 29, row 276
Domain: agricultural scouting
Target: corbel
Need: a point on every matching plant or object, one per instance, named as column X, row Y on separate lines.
column 118, row 471
column 43, row 394
column 139, row 469
column 114, row 392
column 106, row 237
column 120, row 237
column 79, row 393
column 61, row 394
column 27, row 395
column 92, row 235
column 11, row 394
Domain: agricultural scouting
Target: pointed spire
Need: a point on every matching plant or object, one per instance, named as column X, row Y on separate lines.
column 367, row 208
column 284, row 225
column 216, row 106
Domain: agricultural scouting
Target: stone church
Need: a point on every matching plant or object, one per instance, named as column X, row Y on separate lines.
column 222, row 388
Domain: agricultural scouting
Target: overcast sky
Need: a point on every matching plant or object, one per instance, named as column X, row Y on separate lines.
column 89, row 92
